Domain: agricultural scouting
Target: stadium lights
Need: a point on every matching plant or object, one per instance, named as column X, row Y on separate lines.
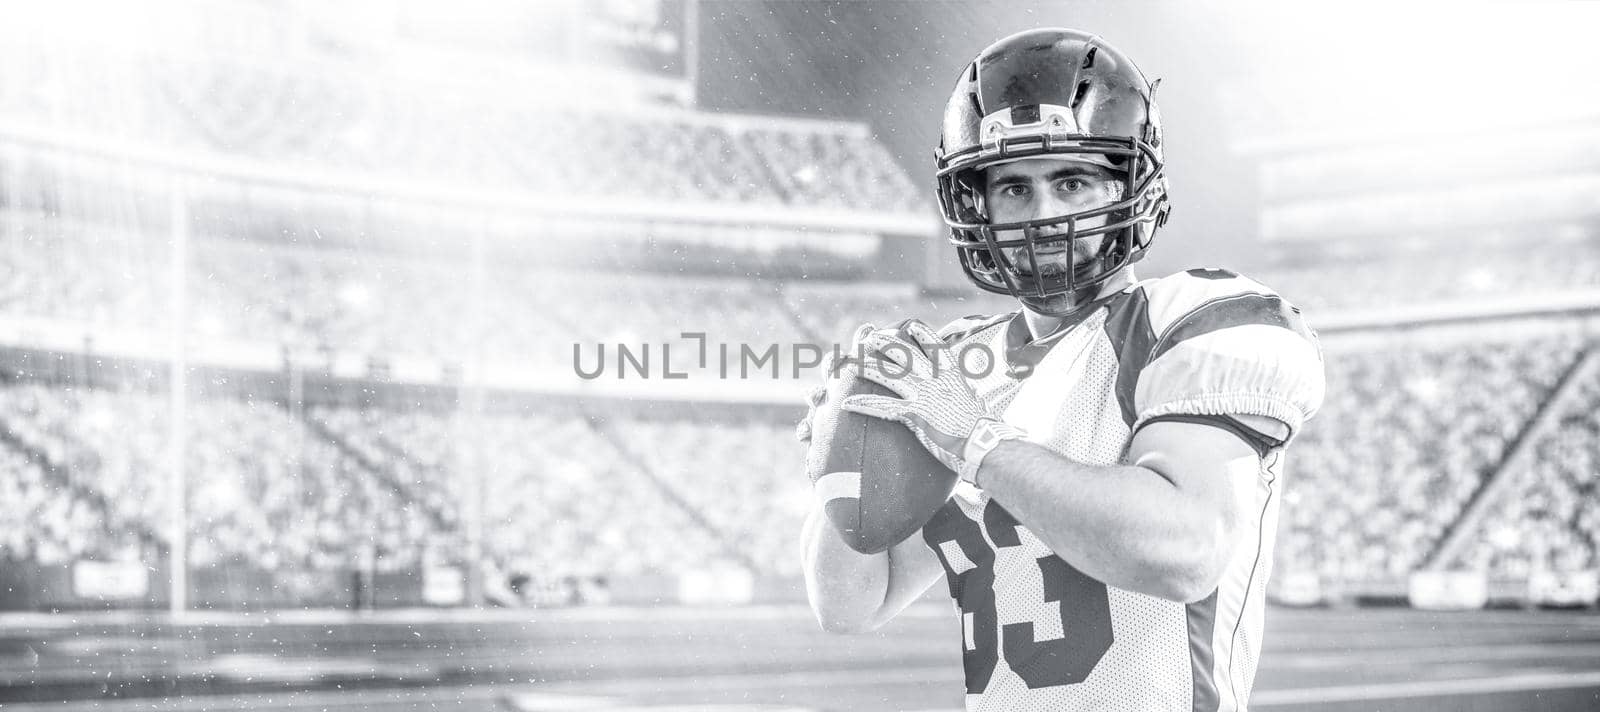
column 1346, row 74
column 1425, row 388
column 355, row 295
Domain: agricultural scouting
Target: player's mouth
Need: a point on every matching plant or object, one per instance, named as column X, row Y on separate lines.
column 1043, row 251
column 1053, row 263
column 1046, row 255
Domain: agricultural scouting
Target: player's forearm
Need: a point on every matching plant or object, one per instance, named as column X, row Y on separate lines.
column 846, row 588
column 1125, row 525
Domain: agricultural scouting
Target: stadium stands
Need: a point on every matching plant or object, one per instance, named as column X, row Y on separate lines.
column 1406, row 436
column 373, row 303
column 1431, row 422
column 329, row 114
column 832, row 311
column 263, row 490
column 1386, row 503
column 271, row 493
column 831, row 170
column 1410, row 431
column 1549, row 522
column 1475, row 273
column 98, row 275
column 48, row 524
column 378, row 303
column 746, row 478
column 559, row 498
column 564, row 501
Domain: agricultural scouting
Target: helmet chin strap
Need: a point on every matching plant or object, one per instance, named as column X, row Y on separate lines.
column 1065, row 303
column 1061, row 305
column 1087, row 296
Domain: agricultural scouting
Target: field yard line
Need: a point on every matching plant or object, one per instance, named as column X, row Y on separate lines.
column 296, row 700
column 1461, row 653
column 738, row 681
column 418, row 666
column 1425, row 688
column 23, row 621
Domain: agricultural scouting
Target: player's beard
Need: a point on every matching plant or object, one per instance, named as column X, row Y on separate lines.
column 1082, row 257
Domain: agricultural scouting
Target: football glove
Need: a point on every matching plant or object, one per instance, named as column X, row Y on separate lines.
column 814, row 398
column 935, row 401
column 830, row 370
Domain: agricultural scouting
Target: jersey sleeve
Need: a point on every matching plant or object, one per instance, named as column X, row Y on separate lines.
column 1227, row 345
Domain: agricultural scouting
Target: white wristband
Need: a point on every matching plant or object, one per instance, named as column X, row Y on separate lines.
column 986, row 436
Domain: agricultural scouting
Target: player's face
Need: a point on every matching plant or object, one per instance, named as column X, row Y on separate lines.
column 1049, row 187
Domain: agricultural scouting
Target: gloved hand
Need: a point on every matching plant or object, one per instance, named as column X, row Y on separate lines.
column 935, row 400
column 816, row 396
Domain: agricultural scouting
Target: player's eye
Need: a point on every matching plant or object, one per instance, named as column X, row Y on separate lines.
column 1015, row 190
column 1073, row 185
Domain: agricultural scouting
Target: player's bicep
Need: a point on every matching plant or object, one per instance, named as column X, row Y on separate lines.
column 913, row 567
column 1212, row 467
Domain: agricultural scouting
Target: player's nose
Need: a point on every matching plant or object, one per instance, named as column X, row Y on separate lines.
column 1048, row 206
column 1044, row 207
column 1047, row 212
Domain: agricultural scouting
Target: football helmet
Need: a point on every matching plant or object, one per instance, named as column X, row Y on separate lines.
column 1051, row 92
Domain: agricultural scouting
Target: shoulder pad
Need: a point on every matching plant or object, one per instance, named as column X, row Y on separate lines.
column 1226, row 345
column 1175, row 295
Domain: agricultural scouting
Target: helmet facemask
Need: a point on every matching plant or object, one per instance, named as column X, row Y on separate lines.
column 1062, row 93
column 1010, row 264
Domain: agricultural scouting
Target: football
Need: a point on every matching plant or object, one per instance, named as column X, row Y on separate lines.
column 879, row 483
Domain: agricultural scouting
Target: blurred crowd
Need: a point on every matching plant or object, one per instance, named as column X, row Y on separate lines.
column 1473, row 273
column 1406, row 438
column 377, row 303
column 89, row 476
column 108, row 279
column 262, row 489
column 334, row 116
column 746, row 478
column 1407, row 435
column 1551, row 521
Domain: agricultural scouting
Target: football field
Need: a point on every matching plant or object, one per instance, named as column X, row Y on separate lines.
column 757, row 658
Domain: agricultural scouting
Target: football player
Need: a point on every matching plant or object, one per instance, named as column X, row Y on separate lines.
column 1110, row 539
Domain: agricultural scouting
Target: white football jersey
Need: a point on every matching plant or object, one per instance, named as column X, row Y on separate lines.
column 1037, row 633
